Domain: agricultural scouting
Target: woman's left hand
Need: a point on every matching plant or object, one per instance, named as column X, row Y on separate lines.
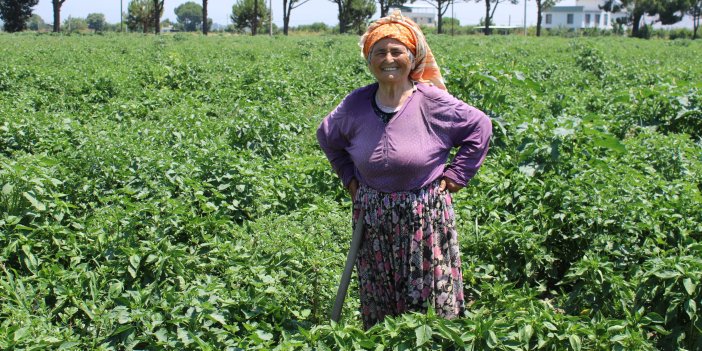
column 450, row 185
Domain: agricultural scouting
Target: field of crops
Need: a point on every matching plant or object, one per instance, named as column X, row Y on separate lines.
column 168, row 193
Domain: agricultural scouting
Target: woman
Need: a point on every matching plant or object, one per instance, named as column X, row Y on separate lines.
column 389, row 143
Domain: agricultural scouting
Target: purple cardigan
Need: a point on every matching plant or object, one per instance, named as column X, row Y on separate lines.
column 409, row 152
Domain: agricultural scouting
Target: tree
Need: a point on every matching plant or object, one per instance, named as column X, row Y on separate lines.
column 695, row 10
column 540, row 6
column 189, row 15
column 96, row 21
column 15, row 13
column 74, row 24
column 206, row 22
column 57, row 14
column 359, row 13
column 35, row 22
column 354, row 13
column 386, row 4
column 251, row 14
column 157, row 13
column 288, row 6
column 667, row 11
column 139, row 16
column 441, row 7
column 490, row 7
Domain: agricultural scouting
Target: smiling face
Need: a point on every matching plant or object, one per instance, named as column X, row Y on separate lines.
column 390, row 61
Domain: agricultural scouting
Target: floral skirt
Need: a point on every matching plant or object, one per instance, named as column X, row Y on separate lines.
column 409, row 258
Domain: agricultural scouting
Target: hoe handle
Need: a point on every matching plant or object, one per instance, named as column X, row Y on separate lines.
column 350, row 262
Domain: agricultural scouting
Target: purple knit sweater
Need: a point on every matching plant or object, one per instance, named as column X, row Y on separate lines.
column 410, row 151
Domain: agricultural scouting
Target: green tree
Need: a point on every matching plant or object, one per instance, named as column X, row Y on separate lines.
column 205, row 24
column 359, row 13
column 354, row 13
column 35, row 22
column 15, row 13
column 96, row 22
column 441, row 7
column 56, row 4
column 386, row 4
column 74, row 24
column 490, row 7
column 695, row 10
column 666, row 11
column 540, row 6
column 189, row 15
column 157, row 12
column 251, row 14
column 288, row 6
column 139, row 16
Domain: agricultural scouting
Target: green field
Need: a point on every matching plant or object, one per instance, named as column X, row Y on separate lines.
column 168, row 193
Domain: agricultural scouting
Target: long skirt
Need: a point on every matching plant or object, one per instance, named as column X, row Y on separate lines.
column 409, row 257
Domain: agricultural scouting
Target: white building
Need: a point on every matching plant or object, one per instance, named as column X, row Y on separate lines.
column 421, row 15
column 585, row 14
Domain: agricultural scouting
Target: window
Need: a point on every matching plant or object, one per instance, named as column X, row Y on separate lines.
column 587, row 19
column 548, row 18
column 606, row 21
column 597, row 20
column 428, row 20
column 570, row 18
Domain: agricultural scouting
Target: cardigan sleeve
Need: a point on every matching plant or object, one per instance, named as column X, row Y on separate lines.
column 470, row 132
column 334, row 140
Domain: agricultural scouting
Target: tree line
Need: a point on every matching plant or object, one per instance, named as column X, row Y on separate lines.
column 353, row 15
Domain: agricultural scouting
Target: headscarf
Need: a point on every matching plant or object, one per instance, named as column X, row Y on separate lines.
column 408, row 33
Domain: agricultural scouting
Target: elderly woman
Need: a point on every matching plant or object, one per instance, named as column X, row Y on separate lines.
column 389, row 143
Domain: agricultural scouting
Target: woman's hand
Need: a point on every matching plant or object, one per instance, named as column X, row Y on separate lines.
column 447, row 183
column 353, row 188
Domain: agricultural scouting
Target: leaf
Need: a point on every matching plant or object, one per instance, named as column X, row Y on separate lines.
column 218, row 318
column 492, row 339
column 20, row 333
column 68, row 345
column 528, row 169
column 690, row 287
column 423, row 334
column 7, row 188
column 691, row 308
column 264, row 335
column 667, row 274
column 550, row 326
column 161, row 335
column 36, row 203
column 184, row 336
column 575, row 342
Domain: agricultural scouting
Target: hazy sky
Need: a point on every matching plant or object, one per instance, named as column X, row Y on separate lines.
column 313, row 11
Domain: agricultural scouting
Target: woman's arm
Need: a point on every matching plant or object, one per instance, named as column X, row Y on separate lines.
column 470, row 132
column 333, row 142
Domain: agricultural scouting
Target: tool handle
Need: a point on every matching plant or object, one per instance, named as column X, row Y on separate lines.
column 348, row 269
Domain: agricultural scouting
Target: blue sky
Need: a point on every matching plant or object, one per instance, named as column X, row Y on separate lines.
column 468, row 12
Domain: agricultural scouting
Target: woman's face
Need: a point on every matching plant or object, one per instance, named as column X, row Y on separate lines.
column 390, row 61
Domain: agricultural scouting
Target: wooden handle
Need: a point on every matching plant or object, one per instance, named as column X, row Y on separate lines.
column 348, row 269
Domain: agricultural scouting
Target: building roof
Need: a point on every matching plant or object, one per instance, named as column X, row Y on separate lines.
column 565, row 9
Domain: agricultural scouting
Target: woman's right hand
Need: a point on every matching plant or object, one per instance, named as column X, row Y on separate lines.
column 352, row 189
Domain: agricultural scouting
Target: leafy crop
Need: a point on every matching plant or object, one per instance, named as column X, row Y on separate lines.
column 168, row 193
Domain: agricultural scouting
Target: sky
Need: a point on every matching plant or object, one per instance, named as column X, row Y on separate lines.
column 325, row 11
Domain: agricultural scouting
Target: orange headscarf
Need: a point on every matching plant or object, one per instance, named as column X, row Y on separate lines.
column 408, row 33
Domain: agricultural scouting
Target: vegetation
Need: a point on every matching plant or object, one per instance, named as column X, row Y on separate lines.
column 15, row 14
column 250, row 14
column 189, row 16
column 96, row 21
column 167, row 192
column 56, row 5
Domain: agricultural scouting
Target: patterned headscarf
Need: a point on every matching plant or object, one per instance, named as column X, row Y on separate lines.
column 408, row 33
